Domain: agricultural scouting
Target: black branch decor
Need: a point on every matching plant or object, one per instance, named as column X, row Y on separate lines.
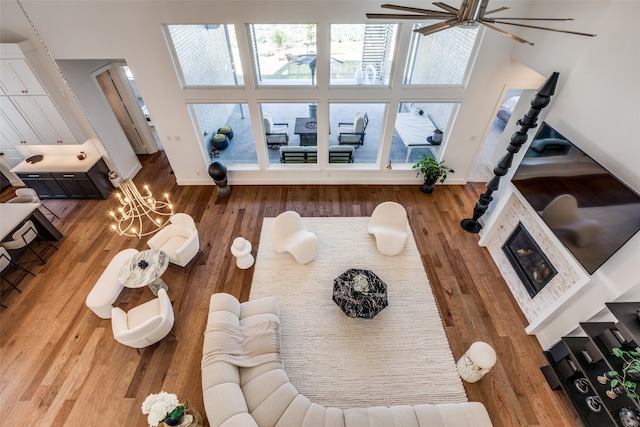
column 529, row 121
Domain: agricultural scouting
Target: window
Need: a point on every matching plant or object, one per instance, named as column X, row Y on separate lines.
column 207, row 55
column 358, row 126
column 415, row 127
column 441, row 58
column 284, row 54
column 290, row 132
column 361, row 54
column 240, row 147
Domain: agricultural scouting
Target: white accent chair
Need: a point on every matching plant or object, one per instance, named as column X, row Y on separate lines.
column 145, row 324
column 179, row 240
column 108, row 287
column 389, row 224
column 289, row 234
column 277, row 133
column 561, row 215
column 29, row 195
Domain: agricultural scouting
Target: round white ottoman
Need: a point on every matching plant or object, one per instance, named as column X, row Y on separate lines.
column 241, row 249
column 476, row 362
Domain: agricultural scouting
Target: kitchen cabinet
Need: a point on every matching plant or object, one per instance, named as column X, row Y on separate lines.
column 66, row 177
column 14, row 128
column 19, row 79
column 577, row 365
column 33, row 120
column 45, row 119
column 28, row 113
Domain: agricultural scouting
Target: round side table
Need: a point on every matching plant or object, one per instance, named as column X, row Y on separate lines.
column 241, row 249
column 476, row 362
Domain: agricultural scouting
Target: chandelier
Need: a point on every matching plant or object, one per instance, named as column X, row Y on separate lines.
column 139, row 215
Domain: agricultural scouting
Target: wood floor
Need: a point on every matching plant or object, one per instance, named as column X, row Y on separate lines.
column 59, row 363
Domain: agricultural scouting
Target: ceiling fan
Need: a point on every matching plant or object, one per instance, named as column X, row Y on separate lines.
column 471, row 14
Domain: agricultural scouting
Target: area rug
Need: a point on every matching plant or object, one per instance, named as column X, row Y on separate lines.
column 401, row 356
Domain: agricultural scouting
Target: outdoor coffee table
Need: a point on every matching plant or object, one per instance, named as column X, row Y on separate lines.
column 307, row 128
column 360, row 293
column 145, row 269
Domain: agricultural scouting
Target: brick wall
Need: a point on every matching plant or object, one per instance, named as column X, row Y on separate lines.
column 203, row 54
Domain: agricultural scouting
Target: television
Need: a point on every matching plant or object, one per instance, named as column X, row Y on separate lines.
column 590, row 210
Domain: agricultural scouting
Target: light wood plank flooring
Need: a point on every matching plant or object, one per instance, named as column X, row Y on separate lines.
column 59, row 363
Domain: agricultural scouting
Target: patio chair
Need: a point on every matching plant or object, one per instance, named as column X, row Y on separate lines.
column 277, row 134
column 353, row 133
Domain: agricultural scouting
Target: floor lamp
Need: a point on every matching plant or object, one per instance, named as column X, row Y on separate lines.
column 528, row 121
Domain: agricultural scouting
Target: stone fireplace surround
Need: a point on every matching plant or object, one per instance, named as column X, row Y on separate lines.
column 571, row 276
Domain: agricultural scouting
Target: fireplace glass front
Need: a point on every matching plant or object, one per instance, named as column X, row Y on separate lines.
column 528, row 260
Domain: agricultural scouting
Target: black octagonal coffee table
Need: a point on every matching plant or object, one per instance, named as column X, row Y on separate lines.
column 360, row 293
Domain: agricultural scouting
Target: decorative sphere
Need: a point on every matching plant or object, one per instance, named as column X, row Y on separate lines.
column 217, row 171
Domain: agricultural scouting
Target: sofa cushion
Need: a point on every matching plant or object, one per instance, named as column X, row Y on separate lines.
column 259, row 318
column 260, row 388
column 404, row 415
column 224, row 302
column 259, row 306
column 247, row 374
column 376, row 416
column 218, row 373
column 295, row 413
column 335, row 418
column 223, row 401
column 315, row 417
column 269, row 412
column 240, row 420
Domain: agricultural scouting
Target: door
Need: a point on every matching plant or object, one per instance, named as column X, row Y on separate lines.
column 122, row 109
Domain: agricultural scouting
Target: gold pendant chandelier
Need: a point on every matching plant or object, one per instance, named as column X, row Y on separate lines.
column 139, row 215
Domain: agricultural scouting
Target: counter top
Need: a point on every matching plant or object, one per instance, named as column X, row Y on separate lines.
column 58, row 164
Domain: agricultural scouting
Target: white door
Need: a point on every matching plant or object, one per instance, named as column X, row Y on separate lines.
column 45, row 119
column 122, row 109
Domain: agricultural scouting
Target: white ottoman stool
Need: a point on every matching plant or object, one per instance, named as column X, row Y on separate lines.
column 476, row 362
column 241, row 249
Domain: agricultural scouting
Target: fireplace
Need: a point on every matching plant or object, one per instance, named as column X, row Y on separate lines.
column 528, row 260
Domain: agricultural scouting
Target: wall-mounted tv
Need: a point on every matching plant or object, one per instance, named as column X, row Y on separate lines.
column 590, row 211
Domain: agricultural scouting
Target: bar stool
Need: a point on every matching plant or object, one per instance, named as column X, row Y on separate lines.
column 29, row 195
column 476, row 362
column 22, row 238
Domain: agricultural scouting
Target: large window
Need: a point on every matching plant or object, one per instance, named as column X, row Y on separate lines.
column 284, row 54
column 441, row 58
column 361, row 54
column 234, row 147
column 207, row 54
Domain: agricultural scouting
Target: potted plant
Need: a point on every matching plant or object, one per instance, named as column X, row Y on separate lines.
column 432, row 172
column 226, row 130
column 627, row 381
column 220, row 141
column 163, row 408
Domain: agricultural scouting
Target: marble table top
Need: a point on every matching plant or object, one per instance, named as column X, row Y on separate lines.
column 360, row 293
column 134, row 276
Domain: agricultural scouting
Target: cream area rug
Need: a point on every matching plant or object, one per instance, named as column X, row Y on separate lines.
column 401, row 356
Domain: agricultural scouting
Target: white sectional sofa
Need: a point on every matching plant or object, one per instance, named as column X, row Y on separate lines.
column 262, row 396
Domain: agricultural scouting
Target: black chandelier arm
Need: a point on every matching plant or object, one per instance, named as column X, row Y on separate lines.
column 529, row 121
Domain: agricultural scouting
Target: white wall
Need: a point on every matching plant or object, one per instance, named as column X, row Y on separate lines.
column 595, row 106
